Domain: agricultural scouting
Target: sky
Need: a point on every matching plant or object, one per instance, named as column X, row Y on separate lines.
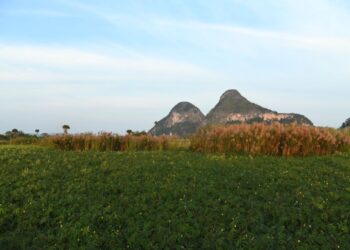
column 115, row 65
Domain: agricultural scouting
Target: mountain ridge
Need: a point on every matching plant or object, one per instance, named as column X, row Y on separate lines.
column 231, row 101
column 185, row 118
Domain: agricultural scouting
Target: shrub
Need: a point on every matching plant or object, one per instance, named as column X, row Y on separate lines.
column 3, row 138
column 274, row 139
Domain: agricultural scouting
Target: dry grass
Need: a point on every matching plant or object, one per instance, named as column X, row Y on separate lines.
column 110, row 142
column 346, row 130
column 275, row 139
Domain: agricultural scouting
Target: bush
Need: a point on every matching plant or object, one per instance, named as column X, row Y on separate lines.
column 3, row 138
column 275, row 139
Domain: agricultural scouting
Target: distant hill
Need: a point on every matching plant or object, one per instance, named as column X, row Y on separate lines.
column 234, row 108
column 232, row 102
column 185, row 118
column 346, row 124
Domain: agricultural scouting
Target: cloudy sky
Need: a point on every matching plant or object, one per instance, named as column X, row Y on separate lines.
column 121, row 65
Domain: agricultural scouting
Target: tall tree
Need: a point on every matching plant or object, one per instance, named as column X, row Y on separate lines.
column 14, row 132
column 65, row 129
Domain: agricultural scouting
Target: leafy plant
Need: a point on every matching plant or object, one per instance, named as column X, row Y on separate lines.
column 54, row 199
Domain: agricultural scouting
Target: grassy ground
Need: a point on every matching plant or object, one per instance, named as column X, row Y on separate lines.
column 159, row 200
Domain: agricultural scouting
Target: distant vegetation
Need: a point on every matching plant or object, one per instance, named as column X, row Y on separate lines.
column 52, row 199
column 109, row 142
column 18, row 137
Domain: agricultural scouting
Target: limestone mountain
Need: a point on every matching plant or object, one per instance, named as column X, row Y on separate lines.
column 184, row 119
column 234, row 108
column 232, row 102
column 346, row 124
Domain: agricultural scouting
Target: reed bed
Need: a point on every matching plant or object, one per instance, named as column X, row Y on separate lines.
column 346, row 130
column 275, row 139
column 110, row 142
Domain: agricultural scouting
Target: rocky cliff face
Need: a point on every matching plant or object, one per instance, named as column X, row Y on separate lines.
column 233, row 108
column 184, row 119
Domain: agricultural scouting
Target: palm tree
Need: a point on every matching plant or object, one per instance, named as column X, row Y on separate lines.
column 14, row 132
column 65, row 129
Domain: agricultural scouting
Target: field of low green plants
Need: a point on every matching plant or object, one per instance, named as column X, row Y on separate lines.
column 53, row 199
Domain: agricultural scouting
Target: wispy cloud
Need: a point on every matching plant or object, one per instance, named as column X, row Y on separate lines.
column 51, row 64
column 296, row 12
column 284, row 38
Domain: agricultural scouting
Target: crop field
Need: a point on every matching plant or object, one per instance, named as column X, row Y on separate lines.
column 51, row 199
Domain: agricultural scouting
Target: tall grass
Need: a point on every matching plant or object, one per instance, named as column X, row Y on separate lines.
column 346, row 130
column 23, row 140
column 274, row 139
column 110, row 142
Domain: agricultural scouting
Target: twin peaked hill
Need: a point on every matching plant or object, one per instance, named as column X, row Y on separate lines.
column 185, row 118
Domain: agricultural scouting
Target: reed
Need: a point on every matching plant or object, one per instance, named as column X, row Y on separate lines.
column 108, row 142
column 275, row 139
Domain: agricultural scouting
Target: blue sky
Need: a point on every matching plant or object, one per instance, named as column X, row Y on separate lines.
column 118, row 65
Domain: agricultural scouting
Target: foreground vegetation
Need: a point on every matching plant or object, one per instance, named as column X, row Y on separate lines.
column 275, row 139
column 244, row 139
column 166, row 200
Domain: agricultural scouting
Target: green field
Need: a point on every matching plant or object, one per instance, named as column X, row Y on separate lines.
column 53, row 199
